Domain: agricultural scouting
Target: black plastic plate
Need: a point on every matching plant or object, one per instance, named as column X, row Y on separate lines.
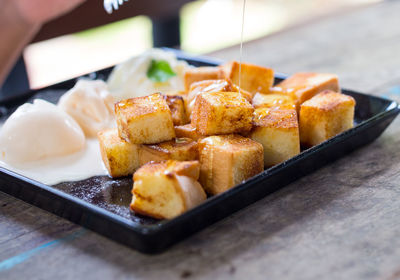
column 101, row 203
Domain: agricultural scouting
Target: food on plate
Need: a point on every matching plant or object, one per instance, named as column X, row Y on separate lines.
column 281, row 101
column 176, row 104
column 201, row 133
column 206, row 86
column 208, row 118
column 198, row 74
column 222, row 85
column 39, row 131
column 183, row 149
column 302, row 86
column 278, row 131
column 166, row 189
column 121, row 158
column 227, row 160
column 253, row 78
column 153, row 71
column 247, row 95
column 188, row 131
column 90, row 104
column 222, row 113
column 324, row 116
column 145, row 120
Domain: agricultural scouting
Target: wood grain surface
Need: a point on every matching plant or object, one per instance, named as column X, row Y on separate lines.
column 341, row 222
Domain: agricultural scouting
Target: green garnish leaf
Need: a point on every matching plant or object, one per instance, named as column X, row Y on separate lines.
column 160, row 71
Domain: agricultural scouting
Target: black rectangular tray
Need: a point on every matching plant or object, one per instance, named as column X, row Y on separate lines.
column 101, row 203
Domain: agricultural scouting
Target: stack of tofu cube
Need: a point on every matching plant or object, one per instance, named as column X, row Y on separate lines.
column 215, row 135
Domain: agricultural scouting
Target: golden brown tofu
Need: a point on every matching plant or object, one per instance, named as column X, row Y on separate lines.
column 280, row 101
column 166, row 189
column 222, row 113
column 145, row 120
column 247, row 95
column 178, row 149
column 197, row 74
column 206, row 86
column 278, row 131
column 303, row 86
column 120, row 157
column 176, row 104
column 222, row 85
column 210, row 86
column 227, row 160
column 324, row 116
column 253, row 79
column 188, row 131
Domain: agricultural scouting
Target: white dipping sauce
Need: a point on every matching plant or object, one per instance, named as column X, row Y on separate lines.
column 78, row 166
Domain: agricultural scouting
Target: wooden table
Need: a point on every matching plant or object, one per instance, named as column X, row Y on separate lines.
column 341, row 222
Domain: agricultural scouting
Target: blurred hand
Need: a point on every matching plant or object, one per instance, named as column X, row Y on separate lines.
column 19, row 22
column 41, row 11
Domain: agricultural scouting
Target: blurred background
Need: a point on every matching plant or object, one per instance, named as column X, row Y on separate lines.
column 197, row 27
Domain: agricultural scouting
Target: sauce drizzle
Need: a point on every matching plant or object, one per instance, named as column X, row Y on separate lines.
column 241, row 44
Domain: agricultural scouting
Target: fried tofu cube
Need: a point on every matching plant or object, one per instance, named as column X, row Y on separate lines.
column 177, row 149
column 166, row 189
column 303, row 86
column 222, row 85
column 281, row 101
column 227, row 160
column 247, row 95
column 210, row 86
column 144, row 120
column 324, row 116
column 253, row 79
column 206, row 86
column 197, row 74
column 121, row 158
column 188, row 131
column 222, row 113
column 176, row 104
column 278, row 132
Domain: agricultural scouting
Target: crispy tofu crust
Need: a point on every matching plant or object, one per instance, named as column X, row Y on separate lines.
column 121, row 158
column 304, row 85
column 200, row 87
column 222, row 113
column 272, row 117
column 227, row 160
column 210, row 86
column 278, row 132
column 324, row 116
column 222, row 85
column 166, row 189
column 176, row 104
column 197, row 74
column 144, row 120
column 278, row 101
column 188, row 131
column 247, row 95
column 183, row 149
column 254, row 78
column 183, row 168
